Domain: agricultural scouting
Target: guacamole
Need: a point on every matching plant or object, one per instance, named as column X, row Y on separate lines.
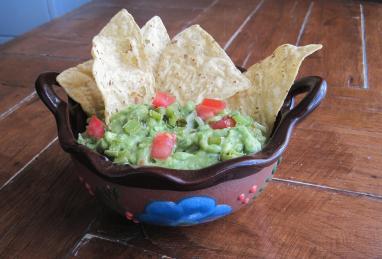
column 141, row 135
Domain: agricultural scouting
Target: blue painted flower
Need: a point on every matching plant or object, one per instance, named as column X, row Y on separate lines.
column 188, row 211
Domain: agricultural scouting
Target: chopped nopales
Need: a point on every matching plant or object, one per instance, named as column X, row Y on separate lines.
column 121, row 68
column 193, row 66
column 271, row 80
column 173, row 137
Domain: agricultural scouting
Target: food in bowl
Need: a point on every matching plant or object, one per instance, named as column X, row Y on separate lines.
column 133, row 71
column 170, row 135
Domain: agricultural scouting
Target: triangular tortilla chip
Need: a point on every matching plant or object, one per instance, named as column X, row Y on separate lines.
column 271, row 80
column 121, row 68
column 194, row 67
column 155, row 39
column 79, row 84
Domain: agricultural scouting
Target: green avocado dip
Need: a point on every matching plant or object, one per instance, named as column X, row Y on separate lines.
column 175, row 136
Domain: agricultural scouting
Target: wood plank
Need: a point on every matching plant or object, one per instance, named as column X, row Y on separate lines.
column 18, row 74
column 87, row 21
column 336, row 25
column 369, row 121
column 275, row 23
column 353, row 99
column 287, row 221
column 99, row 248
column 373, row 28
column 21, row 70
column 36, row 45
column 224, row 18
column 25, row 133
column 45, row 210
column 186, row 4
column 336, row 157
column 24, row 136
column 339, row 144
column 10, row 96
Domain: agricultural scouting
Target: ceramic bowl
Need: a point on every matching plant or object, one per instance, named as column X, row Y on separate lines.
column 172, row 197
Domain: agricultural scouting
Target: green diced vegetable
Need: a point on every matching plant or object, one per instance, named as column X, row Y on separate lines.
column 129, row 137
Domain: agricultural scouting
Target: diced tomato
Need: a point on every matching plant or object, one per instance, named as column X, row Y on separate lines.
column 215, row 105
column 162, row 146
column 225, row 122
column 209, row 108
column 162, row 99
column 204, row 112
column 95, row 128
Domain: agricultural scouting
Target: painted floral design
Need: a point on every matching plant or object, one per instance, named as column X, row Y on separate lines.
column 188, row 211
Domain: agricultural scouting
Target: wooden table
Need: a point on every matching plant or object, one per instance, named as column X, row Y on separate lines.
column 326, row 199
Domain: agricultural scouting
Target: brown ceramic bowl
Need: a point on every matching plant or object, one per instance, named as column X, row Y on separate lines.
column 172, row 197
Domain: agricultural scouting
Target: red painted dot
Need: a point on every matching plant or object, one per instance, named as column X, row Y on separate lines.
column 129, row 215
column 253, row 189
column 241, row 197
column 245, row 201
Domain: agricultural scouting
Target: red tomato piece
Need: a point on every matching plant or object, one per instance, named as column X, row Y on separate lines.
column 204, row 112
column 162, row 99
column 162, row 146
column 225, row 122
column 95, row 128
column 214, row 104
column 209, row 108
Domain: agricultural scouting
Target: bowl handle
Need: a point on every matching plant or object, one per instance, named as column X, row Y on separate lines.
column 44, row 88
column 315, row 87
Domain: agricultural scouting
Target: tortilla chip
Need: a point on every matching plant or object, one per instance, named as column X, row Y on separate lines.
column 194, row 67
column 79, row 84
column 155, row 38
column 271, row 80
column 121, row 68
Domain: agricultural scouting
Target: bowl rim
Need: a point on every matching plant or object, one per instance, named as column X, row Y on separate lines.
column 154, row 177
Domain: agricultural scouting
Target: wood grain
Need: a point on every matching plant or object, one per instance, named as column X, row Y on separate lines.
column 11, row 96
column 101, row 248
column 336, row 25
column 18, row 73
column 339, row 144
column 224, row 18
column 37, row 45
column 25, row 133
column 45, row 210
column 22, row 70
column 275, row 23
column 169, row 4
column 87, row 21
column 334, row 158
column 373, row 30
column 287, row 221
